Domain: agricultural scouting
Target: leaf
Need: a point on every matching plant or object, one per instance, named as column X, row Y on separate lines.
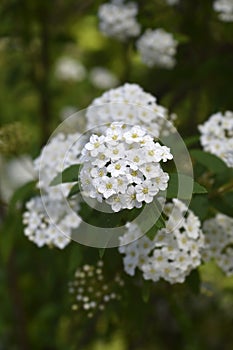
column 179, row 186
column 181, row 38
column 194, row 281
column 160, row 223
column 223, row 205
column 146, row 289
column 68, row 175
column 200, row 205
column 192, row 140
column 210, row 161
column 74, row 190
column 101, row 252
column 22, row 194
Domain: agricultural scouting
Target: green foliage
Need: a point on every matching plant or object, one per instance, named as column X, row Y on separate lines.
column 70, row 174
column 182, row 186
column 210, row 161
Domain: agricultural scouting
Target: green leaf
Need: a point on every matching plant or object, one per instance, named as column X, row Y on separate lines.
column 223, row 205
column 194, row 281
column 183, row 183
column 191, row 140
column 74, row 190
column 181, row 38
column 160, row 223
column 68, row 175
column 22, row 194
column 101, row 252
column 200, row 205
column 210, row 161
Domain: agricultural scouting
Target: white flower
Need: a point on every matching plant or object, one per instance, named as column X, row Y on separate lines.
column 134, row 135
column 218, row 242
column 48, row 220
column 118, row 20
column 157, row 48
column 217, row 136
column 117, row 168
column 146, row 191
column 69, row 69
column 107, row 186
column 133, row 106
column 14, row 173
column 43, row 231
column 224, row 8
column 102, row 78
column 172, row 254
column 95, row 145
column 119, row 172
column 131, row 199
column 116, row 201
column 172, row 2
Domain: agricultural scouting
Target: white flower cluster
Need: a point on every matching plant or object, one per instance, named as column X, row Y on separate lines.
column 45, row 213
column 218, row 242
column 172, row 2
column 41, row 223
column 172, row 254
column 61, row 152
column 68, row 68
column 157, row 48
column 131, row 104
column 217, row 136
column 91, row 290
column 122, row 167
column 118, row 20
column 224, row 9
column 102, row 78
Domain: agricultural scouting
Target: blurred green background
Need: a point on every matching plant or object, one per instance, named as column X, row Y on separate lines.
column 34, row 300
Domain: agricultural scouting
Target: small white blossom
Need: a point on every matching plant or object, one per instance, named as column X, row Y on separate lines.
column 218, row 242
column 172, row 2
column 102, row 78
column 157, row 48
column 217, row 136
column 70, row 69
column 224, row 8
column 118, row 20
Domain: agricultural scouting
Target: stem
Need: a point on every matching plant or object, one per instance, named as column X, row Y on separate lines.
column 17, row 305
column 44, row 79
column 223, row 189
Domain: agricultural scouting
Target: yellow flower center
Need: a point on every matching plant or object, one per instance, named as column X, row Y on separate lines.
column 117, row 166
